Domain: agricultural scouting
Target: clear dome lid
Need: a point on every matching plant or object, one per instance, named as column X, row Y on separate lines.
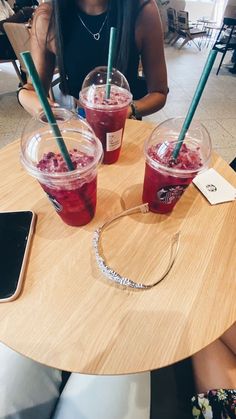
column 38, row 140
column 93, row 91
column 195, row 152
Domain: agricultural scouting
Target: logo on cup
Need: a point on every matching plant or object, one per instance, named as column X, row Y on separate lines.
column 58, row 207
column 211, row 188
column 170, row 194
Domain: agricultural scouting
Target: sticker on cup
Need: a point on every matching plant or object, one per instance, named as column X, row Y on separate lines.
column 114, row 140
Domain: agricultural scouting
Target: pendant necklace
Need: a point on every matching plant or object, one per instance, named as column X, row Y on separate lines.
column 97, row 35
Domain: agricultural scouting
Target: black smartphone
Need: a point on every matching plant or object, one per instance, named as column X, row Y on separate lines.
column 16, row 232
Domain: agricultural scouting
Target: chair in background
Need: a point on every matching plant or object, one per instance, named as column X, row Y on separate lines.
column 186, row 31
column 11, row 3
column 226, row 39
column 233, row 164
column 212, row 30
column 15, row 68
column 172, row 24
column 9, row 60
column 19, row 37
column 211, row 27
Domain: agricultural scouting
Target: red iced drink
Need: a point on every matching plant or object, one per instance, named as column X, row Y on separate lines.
column 166, row 178
column 106, row 116
column 162, row 189
column 75, row 200
column 72, row 192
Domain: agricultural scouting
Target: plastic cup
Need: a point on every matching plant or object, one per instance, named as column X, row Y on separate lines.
column 165, row 180
column 106, row 116
column 72, row 193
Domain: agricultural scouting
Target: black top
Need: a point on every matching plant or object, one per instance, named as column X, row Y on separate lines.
column 89, row 53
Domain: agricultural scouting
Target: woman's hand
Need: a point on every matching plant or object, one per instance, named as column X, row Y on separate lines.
column 129, row 112
column 29, row 100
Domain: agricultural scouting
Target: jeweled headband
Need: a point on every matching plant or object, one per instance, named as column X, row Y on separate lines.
column 113, row 275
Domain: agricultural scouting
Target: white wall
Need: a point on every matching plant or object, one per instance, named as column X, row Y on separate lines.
column 198, row 9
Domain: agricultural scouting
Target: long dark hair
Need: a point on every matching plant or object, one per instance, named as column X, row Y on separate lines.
column 121, row 14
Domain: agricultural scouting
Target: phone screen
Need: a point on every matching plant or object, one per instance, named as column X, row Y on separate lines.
column 15, row 228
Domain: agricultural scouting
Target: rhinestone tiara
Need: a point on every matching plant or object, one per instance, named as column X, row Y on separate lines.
column 114, row 276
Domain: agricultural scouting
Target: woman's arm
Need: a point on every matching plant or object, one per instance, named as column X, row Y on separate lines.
column 229, row 338
column 215, row 366
column 149, row 39
column 43, row 53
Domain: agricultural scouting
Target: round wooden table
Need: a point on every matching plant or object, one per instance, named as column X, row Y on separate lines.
column 71, row 317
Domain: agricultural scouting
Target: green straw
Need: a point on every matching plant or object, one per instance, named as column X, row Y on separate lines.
column 111, row 52
column 46, row 107
column 193, row 106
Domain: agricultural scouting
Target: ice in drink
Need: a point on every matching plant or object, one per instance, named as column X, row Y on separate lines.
column 106, row 116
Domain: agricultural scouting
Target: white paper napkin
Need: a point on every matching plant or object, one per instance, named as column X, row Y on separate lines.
column 215, row 187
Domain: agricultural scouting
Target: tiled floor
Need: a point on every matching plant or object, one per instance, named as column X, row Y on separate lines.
column 12, row 116
column 217, row 108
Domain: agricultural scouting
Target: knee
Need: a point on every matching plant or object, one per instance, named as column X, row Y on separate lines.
column 25, row 383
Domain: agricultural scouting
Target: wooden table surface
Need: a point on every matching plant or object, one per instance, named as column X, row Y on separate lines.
column 70, row 317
